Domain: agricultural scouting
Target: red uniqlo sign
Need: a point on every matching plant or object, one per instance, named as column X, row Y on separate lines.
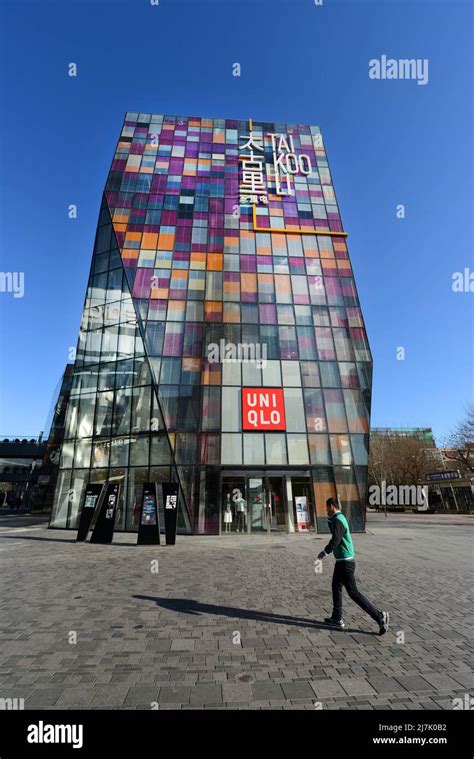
column 263, row 408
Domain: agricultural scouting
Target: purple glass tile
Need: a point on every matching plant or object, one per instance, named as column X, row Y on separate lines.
column 142, row 284
column 248, row 263
column 268, row 314
column 264, row 260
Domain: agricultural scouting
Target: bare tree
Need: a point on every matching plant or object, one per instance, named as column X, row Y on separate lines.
column 397, row 459
column 460, row 443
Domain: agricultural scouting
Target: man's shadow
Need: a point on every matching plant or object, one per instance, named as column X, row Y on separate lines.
column 196, row 608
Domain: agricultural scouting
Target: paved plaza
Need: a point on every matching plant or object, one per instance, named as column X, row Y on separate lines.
column 236, row 621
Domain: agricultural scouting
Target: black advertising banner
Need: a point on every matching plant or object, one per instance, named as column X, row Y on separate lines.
column 170, row 501
column 103, row 531
column 91, row 498
column 149, row 526
column 33, row 733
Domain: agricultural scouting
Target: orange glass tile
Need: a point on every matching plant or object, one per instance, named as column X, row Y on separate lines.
column 248, row 282
column 166, row 242
column 159, row 292
column 120, row 227
column 130, row 253
column 344, row 265
column 212, row 307
column 150, row 240
column 178, row 274
column 215, row 261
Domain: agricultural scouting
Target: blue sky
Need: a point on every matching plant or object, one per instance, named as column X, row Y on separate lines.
column 389, row 142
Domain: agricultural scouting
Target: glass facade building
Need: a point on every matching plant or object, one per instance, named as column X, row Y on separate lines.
column 222, row 343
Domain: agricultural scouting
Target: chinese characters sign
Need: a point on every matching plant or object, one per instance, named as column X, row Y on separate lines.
column 286, row 163
column 252, row 187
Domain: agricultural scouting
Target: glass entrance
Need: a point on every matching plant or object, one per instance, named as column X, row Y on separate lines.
column 267, row 504
column 275, row 504
column 256, row 498
column 259, row 502
column 234, row 505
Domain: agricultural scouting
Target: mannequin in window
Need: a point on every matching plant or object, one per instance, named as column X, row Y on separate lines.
column 228, row 514
column 241, row 509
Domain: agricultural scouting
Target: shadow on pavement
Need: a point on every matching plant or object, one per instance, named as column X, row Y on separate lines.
column 63, row 540
column 189, row 606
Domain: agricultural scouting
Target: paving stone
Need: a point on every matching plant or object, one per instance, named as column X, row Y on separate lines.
column 75, row 697
column 385, row 684
column 267, row 691
column 43, row 698
column 183, row 645
column 356, row 686
column 175, row 695
column 298, row 690
column 206, row 694
column 235, row 692
column 441, row 682
column 466, row 679
column 327, row 689
column 413, row 682
column 142, row 696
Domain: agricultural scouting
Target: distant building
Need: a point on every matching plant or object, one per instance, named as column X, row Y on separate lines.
column 451, row 486
column 425, row 434
column 44, row 495
column 20, row 465
column 450, row 479
column 29, row 467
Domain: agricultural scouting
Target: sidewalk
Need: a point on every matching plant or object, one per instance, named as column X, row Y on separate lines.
column 235, row 622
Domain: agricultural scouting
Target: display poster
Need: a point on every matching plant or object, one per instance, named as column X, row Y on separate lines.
column 91, row 499
column 303, row 518
column 170, row 501
column 103, row 531
column 149, row 525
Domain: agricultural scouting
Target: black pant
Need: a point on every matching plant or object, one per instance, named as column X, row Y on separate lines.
column 344, row 577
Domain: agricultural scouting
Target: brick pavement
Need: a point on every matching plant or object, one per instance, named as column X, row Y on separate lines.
column 235, row 622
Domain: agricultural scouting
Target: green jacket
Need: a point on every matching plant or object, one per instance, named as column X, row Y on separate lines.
column 341, row 541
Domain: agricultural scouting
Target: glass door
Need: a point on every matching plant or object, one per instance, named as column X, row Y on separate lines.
column 275, row 504
column 256, row 499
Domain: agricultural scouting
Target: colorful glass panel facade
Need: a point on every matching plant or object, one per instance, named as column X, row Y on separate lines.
column 185, row 274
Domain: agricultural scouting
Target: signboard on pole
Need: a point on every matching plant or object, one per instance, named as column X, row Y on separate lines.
column 91, row 499
column 170, row 501
column 103, row 531
column 449, row 474
column 303, row 519
column 149, row 525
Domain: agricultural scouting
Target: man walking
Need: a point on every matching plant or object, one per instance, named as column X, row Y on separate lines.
column 344, row 571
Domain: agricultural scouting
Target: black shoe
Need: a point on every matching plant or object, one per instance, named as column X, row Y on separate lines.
column 339, row 623
column 384, row 623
